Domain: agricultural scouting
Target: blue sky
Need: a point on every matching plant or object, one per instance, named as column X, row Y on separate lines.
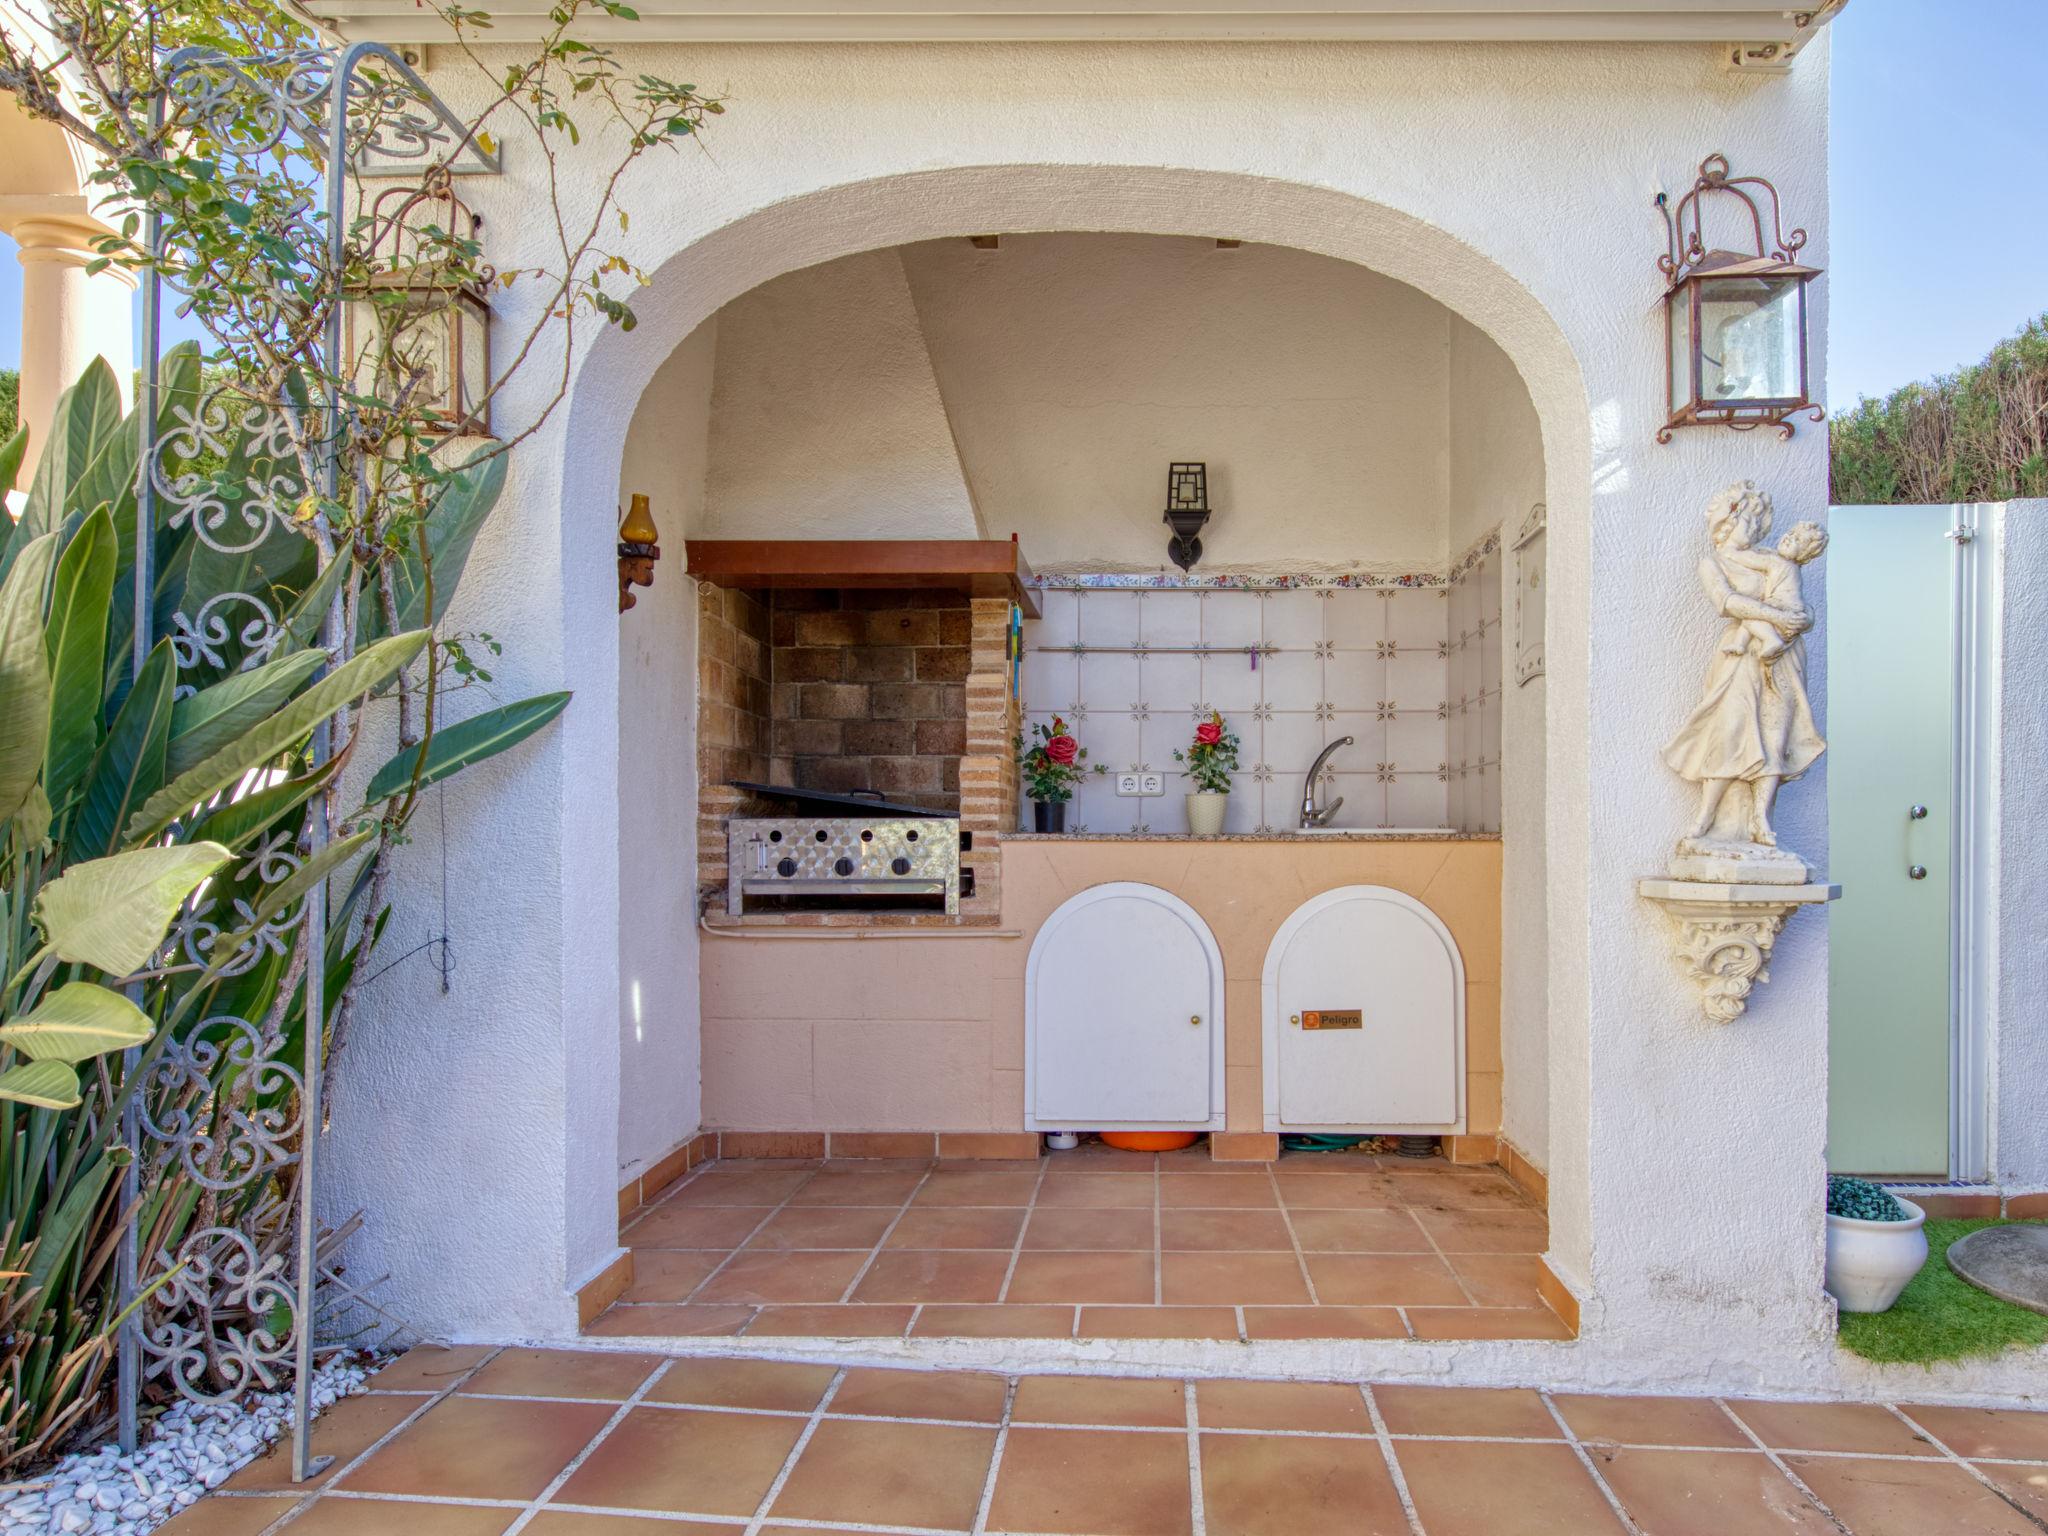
column 1939, row 236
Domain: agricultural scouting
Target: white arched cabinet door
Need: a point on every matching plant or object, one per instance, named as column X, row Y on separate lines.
column 1123, row 1009
column 1363, row 1000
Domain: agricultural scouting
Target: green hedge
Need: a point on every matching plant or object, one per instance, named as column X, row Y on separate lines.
column 1979, row 434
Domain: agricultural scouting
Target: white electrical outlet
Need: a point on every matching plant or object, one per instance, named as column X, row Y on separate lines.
column 1141, row 784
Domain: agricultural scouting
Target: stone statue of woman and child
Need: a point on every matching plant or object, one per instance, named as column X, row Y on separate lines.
column 1753, row 731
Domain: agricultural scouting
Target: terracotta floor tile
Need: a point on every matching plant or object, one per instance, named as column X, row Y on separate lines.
column 227, row 1517
column 1114, row 1401
column 671, row 1322
column 2025, row 1486
column 1224, row 1231
column 959, row 1226
column 695, row 1226
column 975, row 1187
column 862, row 1188
column 1372, row 1231
column 1266, row 1485
column 889, row 1474
column 1231, row 1279
column 1512, row 1411
column 1323, row 1323
column 740, row 1186
column 824, row 1226
column 686, row 1461
column 344, row 1432
column 481, row 1448
column 561, row 1522
column 934, row 1274
column 788, row 1275
column 831, row 1321
column 1487, row 1323
column 1469, row 1192
column 1236, row 1191
column 1857, row 1427
column 430, row 1367
column 1909, row 1498
column 979, row 1165
column 1485, row 1231
column 380, row 1517
column 1082, row 1277
column 1158, row 1323
column 1089, row 1481
column 1335, row 1191
column 2005, row 1433
column 1320, row 1405
column 1650, row 1420
column 921, row 1395
column 776, row 1385
column 1384, row 1280
column 670, row 1274
column 1500, row 1279
column 1096, row 1189
column 563, row 1373
column 1079, row 1229
column 1503, row 1490
column 1680, row 1493
column 995, row 1322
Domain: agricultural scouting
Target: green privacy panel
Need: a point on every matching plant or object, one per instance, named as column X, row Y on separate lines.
column 1891, row 669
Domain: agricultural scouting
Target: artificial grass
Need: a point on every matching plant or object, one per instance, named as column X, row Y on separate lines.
column 1939, row 1316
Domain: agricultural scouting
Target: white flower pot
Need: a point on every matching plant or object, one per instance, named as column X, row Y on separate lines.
column 1205, row 812
column 1869, row 1262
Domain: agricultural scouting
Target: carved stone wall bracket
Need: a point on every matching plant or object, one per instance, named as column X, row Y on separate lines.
column 1725, row 934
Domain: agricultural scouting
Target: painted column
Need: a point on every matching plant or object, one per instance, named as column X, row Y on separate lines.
column 68, row 317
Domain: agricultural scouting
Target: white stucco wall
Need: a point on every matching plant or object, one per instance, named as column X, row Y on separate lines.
column 660, row 1082
column 1496, row 476
column 2020, row 1057
column 825, row 422
column 1510, row 183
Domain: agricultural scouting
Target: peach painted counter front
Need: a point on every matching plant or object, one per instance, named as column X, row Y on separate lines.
column 880, row 1029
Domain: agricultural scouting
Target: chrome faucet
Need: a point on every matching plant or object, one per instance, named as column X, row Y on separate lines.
column 1311, row 815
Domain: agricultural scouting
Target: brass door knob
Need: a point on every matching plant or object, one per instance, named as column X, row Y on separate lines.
column 1195, row 1019
column 1294, row 1019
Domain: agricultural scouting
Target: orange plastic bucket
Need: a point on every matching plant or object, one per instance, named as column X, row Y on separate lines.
column 1150, row 1141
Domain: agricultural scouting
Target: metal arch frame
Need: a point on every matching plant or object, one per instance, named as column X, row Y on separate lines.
column 312, row 104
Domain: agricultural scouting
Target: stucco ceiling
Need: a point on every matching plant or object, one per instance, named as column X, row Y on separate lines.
column 1769, row 33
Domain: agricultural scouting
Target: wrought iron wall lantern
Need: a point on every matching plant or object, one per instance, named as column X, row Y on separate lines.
column 638, row 550
column 1735, row 321
column 1187, row 509
column 416, row 321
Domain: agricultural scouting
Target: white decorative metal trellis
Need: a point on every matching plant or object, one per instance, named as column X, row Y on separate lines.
column 357, row 122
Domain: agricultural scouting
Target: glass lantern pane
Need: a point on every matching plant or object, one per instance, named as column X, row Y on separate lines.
column 1678, row 308
column 1749, row 339
column 473, row 338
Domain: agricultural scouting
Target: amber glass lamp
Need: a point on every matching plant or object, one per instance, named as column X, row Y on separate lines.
column 638, row 549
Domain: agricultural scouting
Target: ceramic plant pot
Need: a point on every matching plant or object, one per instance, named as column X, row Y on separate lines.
column 1205, row 812
column 1869, row 1262
column 1049, row 815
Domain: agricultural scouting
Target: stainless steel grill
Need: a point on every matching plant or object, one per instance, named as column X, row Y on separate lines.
column 779, row 857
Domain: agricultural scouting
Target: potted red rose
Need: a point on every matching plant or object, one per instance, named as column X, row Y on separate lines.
column 1211, row 759
column 1053, row 763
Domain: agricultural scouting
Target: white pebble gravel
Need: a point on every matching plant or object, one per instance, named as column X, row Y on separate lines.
column 191, row 1448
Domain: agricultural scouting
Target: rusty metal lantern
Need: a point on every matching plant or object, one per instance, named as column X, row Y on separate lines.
column 411, row 319
column 1735, row 321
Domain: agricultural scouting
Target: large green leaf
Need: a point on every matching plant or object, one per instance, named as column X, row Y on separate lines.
column 458, row 512
column 87, row 435
column 239, row 820
column 129, row 766
column 76, row 639
column 302, row 620
column 12, row 452
column 24, row 673
column 44, row 1084
column 78, row 1021
column 455, row 747
column 369, row 669
column 211, row 718
column 113, row 912
column 62, row 1228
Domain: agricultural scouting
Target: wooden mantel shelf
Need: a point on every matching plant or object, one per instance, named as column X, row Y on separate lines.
column 980, row 567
